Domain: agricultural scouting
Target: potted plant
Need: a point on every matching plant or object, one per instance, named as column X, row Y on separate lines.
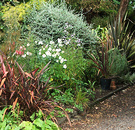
column 100, row 58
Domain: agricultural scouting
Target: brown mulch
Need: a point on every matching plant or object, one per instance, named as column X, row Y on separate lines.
column 115, row 113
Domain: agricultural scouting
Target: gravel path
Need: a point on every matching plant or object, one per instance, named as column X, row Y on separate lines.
column 115, row 113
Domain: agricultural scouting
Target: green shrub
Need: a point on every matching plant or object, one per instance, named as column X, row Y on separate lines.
column 95, row 11
column 49, row 22
column 52, row 22
column 128, row 79
column 98, row 20
column 67, row 62
column 19, row 11
column 119, row 62
column 68, row 67
column 13, row 20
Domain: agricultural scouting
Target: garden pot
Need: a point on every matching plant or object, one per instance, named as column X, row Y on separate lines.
column 105, row 83
column 112, row 86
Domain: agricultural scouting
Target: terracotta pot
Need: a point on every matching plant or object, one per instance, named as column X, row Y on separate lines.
column 113, row 86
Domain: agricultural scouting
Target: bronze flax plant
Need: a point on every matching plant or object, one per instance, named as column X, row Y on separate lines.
column 17, row 86
column 100, row 58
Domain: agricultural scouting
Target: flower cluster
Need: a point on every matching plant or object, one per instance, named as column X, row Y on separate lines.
column 70, row 37
column 20, row 51
column 54, row 51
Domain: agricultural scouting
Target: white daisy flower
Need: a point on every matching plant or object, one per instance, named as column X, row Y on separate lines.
column 59, row 41
column 58, row 50
column 61, row 60
column 48, row 53
column 60, row 44
column 60, row 57
column 40, row 43
column 39, row 53
column 43, row 55
column 28, row 44
column 78, row 44
column 49, row 49
column 51, row 42
column 54, row 55
column 24, row 55
column 28, row 53
column 65, row 66
column 53, row 50
column 57, row 53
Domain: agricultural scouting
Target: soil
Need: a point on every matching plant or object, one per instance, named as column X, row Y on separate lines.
column 115, row 113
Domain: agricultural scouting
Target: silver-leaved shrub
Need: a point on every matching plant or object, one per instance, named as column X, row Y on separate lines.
column 48, row 22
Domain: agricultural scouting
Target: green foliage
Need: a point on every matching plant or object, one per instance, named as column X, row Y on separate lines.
column 59, row 38
column 96, row 12
column 10, row 120
column 65, row 98
column 49, row 23
column 128, row 78
column 101, row 32
column 116, row 2
column 38, row 123
column 19, row 11
column 123, row 38
column 120, row 64
column 65, row 54
column 69, row 110
column 81, row 99
column 132, row 78
column 98, row 20
column 105, row 6
column 91, row 85
column 2, row 27
column 13, row 19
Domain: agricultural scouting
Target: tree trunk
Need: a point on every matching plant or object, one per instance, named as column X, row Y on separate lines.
column 123, row 8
